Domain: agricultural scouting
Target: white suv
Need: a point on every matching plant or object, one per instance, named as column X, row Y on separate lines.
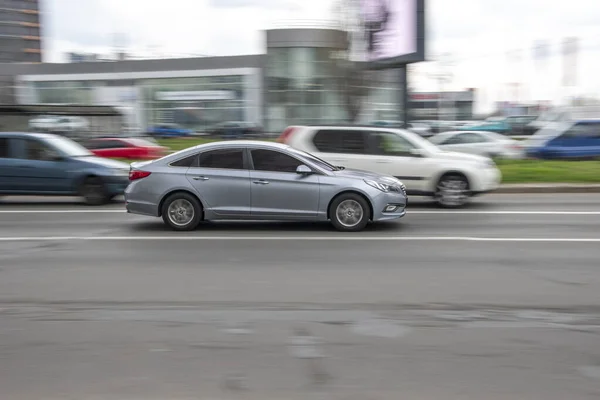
column 451, row 178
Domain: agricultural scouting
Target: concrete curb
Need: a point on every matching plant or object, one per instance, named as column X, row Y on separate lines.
column 549, row 188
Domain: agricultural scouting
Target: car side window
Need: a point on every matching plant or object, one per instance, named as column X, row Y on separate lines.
column 391, row 144
column 39, row 151
column 350, row 141
column 275, row 161
column 465, row 138
column 222, row 158
column 583, row 131
column 186, row 162
column 4, row 148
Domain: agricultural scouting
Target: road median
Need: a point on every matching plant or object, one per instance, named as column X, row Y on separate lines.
column 516, row 188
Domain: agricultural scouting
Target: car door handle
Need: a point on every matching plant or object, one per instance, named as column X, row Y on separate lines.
column 261, row 182
column 383, row 162
column 338, row 160
column 200, row 178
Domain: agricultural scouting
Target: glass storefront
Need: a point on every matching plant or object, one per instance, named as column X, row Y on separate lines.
column 193, row 103
column 69, row 92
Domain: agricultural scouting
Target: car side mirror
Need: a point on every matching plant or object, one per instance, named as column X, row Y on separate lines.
column 416, row 153
column 303, row 170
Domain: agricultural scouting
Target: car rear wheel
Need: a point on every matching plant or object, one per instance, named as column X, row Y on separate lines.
column 452, row 191
column 349, row 213
column 182, row 212
column 93, row 191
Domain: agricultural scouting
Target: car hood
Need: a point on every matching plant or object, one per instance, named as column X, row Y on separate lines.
column 104, row 162
column 360, row 174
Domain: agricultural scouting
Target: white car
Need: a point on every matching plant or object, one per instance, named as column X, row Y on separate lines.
column 488, row 144
column 51, row 123
column 426, row 170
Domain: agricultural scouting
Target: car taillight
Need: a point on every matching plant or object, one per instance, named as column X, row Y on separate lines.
column 285, row 136
column 136, row 174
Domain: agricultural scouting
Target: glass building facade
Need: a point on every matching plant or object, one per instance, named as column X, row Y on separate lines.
column 305, row 77
column 303, row 87
column 194, row 103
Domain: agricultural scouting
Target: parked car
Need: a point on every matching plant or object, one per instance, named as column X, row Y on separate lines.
column 46, row 164
column 449, row 177
column 234, row 129
column 170, row 131
column 58, row 123
column 488, row 144
column 518, row 123
column 492, row 124
column 567, row 140
column 129, row 148
column 259, row 181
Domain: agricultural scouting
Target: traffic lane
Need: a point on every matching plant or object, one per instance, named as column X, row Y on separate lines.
column 419, row 223
column 558, row 201
column 315, row 272
column 158, row 354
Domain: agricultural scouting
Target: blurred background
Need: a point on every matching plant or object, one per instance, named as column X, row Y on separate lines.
column 261, row 65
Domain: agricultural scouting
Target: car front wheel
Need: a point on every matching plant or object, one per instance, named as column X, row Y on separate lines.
column 349, row 213
column 452, row 191
column 182, row 212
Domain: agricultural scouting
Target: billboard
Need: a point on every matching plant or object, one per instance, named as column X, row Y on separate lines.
column 388, row 32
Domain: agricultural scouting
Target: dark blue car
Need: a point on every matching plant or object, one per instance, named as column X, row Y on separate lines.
column 577, row 140
column 169, row 131
column 45, row 164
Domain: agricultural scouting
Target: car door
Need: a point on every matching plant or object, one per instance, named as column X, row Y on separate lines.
column 277, row 190
column 38, row 167
column 7, row 164
column 396, row 155
column 222, row 181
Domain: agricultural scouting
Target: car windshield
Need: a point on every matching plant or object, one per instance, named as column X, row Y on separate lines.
column 315, row 160
column 67, row 146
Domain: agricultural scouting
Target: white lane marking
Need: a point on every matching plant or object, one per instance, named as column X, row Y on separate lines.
column 101, row 211
column 408, row 212
column 304, row 238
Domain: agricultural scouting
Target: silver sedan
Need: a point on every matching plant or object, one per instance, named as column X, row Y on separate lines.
column 252, row 180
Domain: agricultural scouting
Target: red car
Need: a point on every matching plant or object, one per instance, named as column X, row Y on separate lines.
column 130, row 148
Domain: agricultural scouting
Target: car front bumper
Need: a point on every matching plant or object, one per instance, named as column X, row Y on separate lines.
column 383, row 203
column 487, row 180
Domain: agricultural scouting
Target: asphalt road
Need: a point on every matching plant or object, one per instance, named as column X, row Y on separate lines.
column 500, row 300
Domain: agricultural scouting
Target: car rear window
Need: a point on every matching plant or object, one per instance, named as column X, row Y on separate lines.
column 340, row 141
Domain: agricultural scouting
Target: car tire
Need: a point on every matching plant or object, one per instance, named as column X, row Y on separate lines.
column 452, row 191
column 93, row 191
column 349, row 212
column 182, row 212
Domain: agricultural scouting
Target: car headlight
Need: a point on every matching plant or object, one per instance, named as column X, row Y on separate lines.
column 378, row 185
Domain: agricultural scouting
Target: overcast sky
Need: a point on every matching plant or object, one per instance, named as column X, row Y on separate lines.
column 476, row 34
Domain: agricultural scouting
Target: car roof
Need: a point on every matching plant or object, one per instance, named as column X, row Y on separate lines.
column 234, row 143
column 28, row 134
